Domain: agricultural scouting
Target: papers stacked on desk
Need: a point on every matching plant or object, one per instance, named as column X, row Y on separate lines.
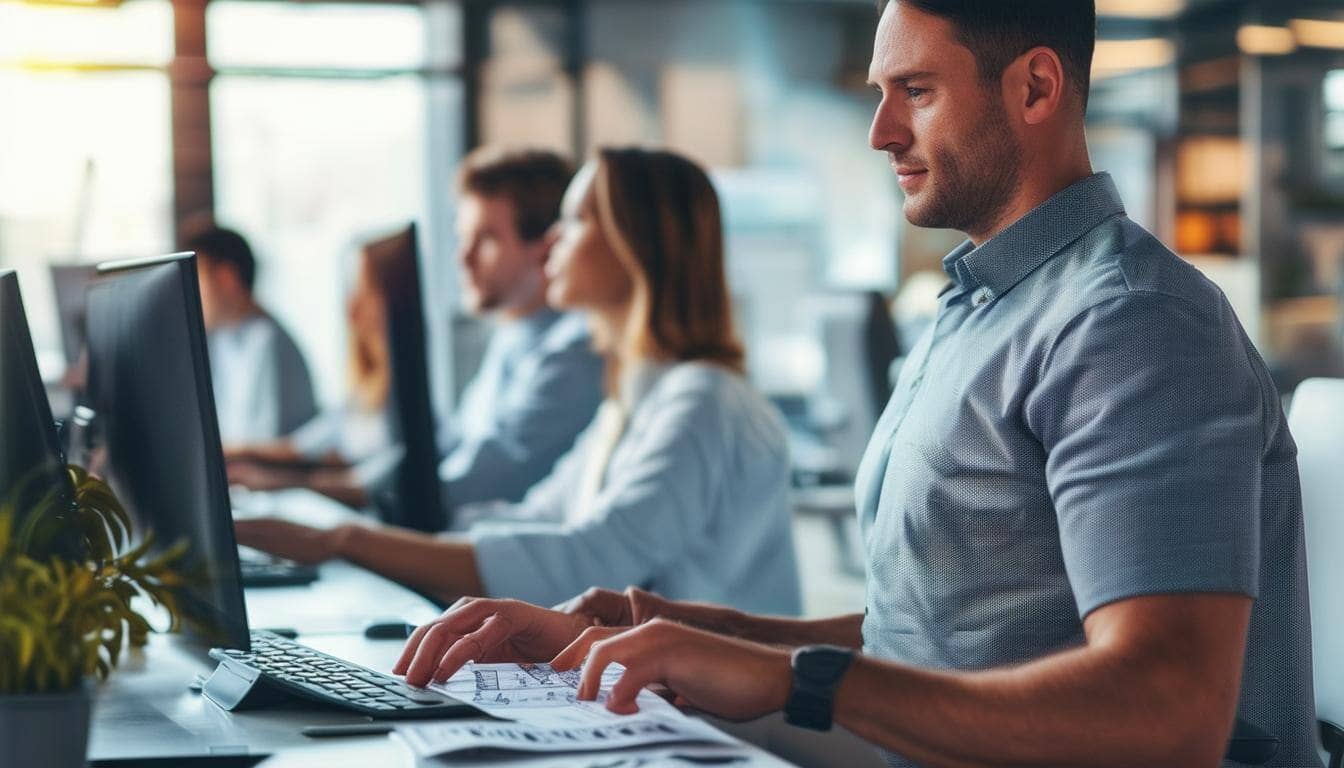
column 547, row 717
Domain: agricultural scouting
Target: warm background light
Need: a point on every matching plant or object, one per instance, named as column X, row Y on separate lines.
column 1258, row 40
column 1318, row 34
column 1146, row 9
column 1118, row 57
column 1210, row 169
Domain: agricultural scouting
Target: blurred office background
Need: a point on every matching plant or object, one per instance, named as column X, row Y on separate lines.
column 310, row 125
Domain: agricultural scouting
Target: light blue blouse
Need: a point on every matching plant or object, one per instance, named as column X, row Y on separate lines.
column 694, row 505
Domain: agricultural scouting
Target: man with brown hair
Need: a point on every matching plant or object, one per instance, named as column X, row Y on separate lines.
column 539, row 383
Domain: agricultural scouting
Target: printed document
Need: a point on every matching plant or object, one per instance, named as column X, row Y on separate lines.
column 547, row 717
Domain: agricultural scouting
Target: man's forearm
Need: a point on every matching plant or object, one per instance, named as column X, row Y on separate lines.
column 1076, row 709
column 442, row 567
column 845, row 631
column 1156, row 685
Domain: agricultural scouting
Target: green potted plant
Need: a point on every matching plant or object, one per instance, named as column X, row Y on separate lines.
column 68, row 576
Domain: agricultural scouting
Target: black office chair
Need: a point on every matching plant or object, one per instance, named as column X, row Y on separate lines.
column 1332, row 740
column 1251, row 744
column 860, row 342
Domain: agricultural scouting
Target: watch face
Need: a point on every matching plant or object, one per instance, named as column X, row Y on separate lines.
column 821, row 665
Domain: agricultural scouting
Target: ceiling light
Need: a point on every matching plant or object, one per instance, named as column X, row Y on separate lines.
column 1140, row 9
column 1318, row 34
column 1257, row 40
column 77, row 3
column 1118, row 57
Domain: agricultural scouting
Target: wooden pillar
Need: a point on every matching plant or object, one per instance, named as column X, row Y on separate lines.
column 190, row 75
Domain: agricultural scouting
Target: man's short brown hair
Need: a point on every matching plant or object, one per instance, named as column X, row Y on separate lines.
column 533, row 180
column 998, row 31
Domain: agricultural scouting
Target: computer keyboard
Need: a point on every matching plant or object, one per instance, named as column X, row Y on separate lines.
column 303, row 671
column 276, row 573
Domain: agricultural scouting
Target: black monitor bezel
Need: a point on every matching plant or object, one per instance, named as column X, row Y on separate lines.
column 11, row 301
column 234, row 632
column 416, row 502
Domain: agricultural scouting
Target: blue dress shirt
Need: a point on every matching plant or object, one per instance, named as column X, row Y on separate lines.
column 538, row 386
column 1084, row 422
column 694, row 505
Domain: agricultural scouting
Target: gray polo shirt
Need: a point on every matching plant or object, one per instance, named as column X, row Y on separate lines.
column 1084, row 422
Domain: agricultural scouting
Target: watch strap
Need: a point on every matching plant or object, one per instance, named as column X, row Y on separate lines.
column 817, row 672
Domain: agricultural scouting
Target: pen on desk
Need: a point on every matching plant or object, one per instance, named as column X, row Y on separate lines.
column 347, row 729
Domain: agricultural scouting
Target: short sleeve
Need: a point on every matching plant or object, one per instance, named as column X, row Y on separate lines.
column 1152, row 419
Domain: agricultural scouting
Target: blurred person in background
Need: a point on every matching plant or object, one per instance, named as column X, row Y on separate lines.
column 681, row 483
column 262, row 386
column 538, row 384
column 349, row 447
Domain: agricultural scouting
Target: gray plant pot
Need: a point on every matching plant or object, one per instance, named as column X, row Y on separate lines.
column 45, row 729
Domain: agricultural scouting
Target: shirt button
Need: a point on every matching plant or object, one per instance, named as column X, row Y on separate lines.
column 981, row 297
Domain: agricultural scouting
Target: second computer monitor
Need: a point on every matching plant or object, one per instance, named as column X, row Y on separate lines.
column 149, row 385
column 413, row 498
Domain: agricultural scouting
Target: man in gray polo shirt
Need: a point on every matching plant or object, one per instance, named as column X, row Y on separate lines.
column 1081, row 506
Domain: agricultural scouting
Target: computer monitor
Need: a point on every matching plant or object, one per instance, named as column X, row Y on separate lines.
column 31, row 465
column 149, row 386
column 70, row 282
column 413, row 499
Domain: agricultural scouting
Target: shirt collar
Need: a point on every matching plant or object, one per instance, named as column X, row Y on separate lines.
column 1005, row 259
column 637, row 382
column 525, row 333
column 535, row 325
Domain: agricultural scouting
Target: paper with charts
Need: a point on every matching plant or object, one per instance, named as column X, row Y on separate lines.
column 449, row 736
column 547, row 717
column 537, row 694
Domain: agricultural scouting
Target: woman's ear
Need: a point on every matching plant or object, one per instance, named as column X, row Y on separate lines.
column 545, row 243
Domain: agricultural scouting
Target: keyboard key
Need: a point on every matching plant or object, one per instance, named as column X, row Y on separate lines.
column 415, row 694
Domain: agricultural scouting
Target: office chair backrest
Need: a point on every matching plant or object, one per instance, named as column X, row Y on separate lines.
column 883, row 346
column 1317, row 423
column 859, row 340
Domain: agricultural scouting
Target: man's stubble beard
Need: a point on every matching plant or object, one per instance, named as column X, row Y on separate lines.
column 478, row 302
column 977, row 184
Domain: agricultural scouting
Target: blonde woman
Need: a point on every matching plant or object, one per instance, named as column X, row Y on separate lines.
column 680, row 484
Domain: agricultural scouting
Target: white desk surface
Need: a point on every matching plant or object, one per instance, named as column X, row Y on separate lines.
column 145, row 709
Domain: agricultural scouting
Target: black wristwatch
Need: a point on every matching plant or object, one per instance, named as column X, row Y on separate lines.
column 817, row 671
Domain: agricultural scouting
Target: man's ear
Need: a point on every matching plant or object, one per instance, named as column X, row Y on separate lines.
column 1037, row 87
column 227, row 277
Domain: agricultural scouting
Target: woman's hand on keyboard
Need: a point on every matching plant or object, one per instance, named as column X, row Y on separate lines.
column 477, row 629
column 296, row 542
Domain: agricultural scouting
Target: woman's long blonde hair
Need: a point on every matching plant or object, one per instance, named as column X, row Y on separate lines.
column 387, row 277
column 660, row 214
